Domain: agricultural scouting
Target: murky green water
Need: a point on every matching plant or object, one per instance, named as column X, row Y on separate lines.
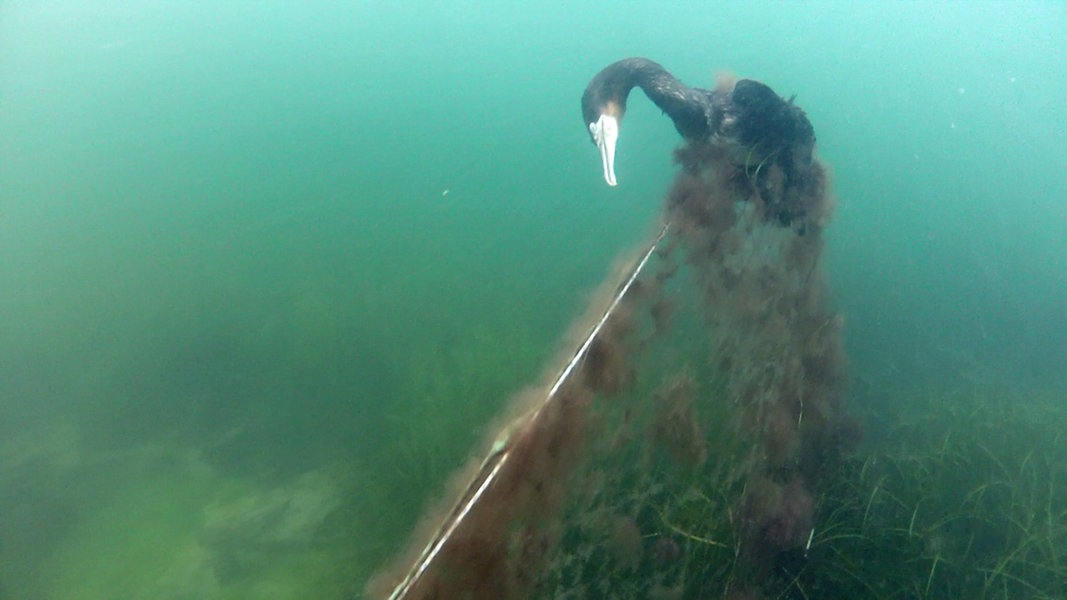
column 266, row 270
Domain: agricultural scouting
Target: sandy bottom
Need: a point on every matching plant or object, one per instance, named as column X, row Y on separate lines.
column 160, row 523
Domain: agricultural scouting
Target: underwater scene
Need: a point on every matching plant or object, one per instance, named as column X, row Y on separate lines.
column 466, row 300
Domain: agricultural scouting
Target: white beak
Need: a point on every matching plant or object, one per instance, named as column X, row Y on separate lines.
column 605, row 133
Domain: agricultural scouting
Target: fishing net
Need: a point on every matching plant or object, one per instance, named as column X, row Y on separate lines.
column 682, row 449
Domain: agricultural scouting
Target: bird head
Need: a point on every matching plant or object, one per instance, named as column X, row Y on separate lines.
column 605, row 133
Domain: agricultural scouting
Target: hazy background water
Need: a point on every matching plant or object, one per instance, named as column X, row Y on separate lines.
column 249, row 248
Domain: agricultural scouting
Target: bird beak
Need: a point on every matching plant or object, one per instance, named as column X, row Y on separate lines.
column 605, row 133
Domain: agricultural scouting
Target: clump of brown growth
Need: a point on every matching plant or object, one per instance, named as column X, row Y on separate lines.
column 775, row 517
column 751, row 223
column 780, row 437
column 792, row 521
column 624, row 543
column 606, row 368
column 676, row 426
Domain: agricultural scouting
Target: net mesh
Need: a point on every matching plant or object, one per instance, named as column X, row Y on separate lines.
column 684, row 449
